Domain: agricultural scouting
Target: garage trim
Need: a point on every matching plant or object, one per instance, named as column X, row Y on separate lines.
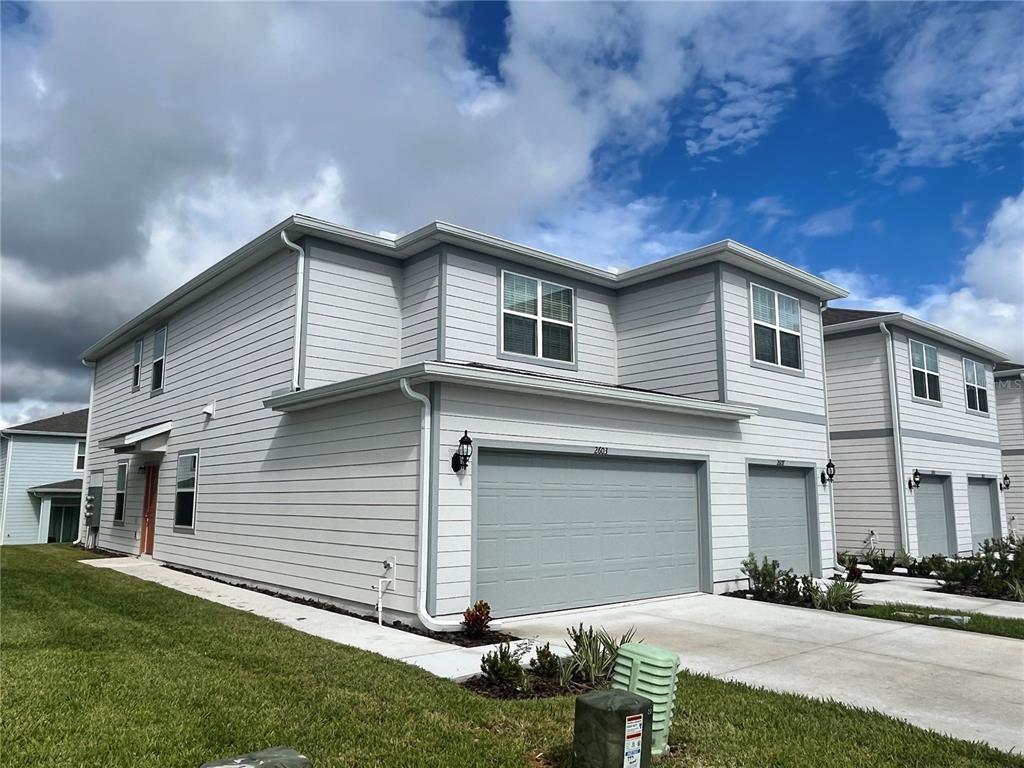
column 704, row 552
column 813, row 532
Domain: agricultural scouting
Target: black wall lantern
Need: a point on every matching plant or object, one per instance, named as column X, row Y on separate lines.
column 460, row 459
column 915, row 481
column 1005, row 485
column 829, row 474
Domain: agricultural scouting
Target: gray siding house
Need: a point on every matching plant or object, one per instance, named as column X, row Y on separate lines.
column 289, row 418
column 41, row 465
column 1009, row 380
column 914, row 435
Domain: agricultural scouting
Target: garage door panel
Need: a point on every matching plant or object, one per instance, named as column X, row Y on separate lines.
column 592, row 530
column 777, row 516
column 931, row 503
column 984, row 507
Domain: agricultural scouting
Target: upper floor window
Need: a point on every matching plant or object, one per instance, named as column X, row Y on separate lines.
column 159, row 350
column 977, row 386
column 120, row 491
column 137, row 365
column 924, row 368
column 536, row 318
column 80, row 455
column 776, row 325
column 185, row 489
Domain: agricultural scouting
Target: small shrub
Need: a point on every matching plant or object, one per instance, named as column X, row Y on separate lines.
column 847, row 559
column 764, row 578
column 545, row 663
column 879, row 561
column 926, row 566
column 810, row 590
column 903, row 559
column 476, row 619
column 592, row 655
column 502, row 667
column 789, row 588
column 840, row 597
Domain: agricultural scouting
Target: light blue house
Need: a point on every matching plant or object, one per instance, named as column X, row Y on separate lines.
column 41, row 465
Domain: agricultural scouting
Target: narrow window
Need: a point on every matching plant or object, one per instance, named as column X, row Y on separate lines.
column 537, row 318
column 924, row 369
column 80, row 455
column 976, row 383
column 159, row 347
column 185, row 490
column 775, row 318
column 137, row 365
column 122, row 489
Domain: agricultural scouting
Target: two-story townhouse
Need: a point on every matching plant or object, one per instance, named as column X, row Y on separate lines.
column 914, row 434
column 41, row 465
column 1009, row 392
column 298, row 416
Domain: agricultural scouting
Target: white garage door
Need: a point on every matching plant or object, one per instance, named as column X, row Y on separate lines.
column 777, row 514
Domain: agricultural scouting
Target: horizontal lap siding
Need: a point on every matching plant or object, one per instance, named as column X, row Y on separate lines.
column 472, row 324
column 491, row 416
column 864, row 493
column 1010, row 406
column 668, row 337
column 858, row 382
column 420, row 307
column 354, row 317
column 35, row 460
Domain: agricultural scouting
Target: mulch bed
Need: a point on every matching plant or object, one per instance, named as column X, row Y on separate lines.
column 539, row 688
column 101, row 551
column 490, row 637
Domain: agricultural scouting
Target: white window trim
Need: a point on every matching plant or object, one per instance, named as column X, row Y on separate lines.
column 138, row 348
column 195, row 492
column 162, row 359
column 910, row 352
column 984, row 376
column 538, row 318
column 74, row 464
column 124, row 506
column 777, row 328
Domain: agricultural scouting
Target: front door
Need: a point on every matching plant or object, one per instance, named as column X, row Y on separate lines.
column 149, row 511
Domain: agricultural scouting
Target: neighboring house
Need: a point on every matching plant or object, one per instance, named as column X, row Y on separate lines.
column 1010, row 407
column 41, row 465
column 289, row 418
column 914, row 435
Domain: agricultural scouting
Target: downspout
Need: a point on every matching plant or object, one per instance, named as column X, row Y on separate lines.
column 82, row 531
column 300, row 268
column 822, row 306
column 897, row 436
column 422, row 614
column 7, row 481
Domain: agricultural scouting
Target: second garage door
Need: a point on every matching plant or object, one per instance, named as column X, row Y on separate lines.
column 560, row 531
column 932, row 503
column 984, row 505
column 777, row 517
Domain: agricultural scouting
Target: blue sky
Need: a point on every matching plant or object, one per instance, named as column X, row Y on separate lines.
column 877, row 144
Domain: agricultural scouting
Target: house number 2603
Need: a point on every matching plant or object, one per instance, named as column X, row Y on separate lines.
column 600, row 450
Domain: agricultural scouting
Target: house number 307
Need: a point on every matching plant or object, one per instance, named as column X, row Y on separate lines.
column 600, row 450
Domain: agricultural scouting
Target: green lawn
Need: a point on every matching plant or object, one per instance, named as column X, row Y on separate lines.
column 918, row 614
column 100, row 669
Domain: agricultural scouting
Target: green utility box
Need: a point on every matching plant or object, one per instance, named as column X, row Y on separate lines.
column 650, row 672
column 612, row 730
column 275, row 757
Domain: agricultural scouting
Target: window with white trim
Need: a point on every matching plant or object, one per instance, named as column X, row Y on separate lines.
column 537, row 318
column 924, row 369
column 976, row 382
column 159, row 350
column 80, row 455
column 137, row 365
column 775, row 321
column 121, row 491
column 185, row 489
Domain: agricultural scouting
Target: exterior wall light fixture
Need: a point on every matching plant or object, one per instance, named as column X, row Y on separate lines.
column 914, row 481
column 1005, row 485
column 828, row 475
column 461, row 457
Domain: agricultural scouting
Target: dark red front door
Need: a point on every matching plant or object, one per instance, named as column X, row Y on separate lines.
column 149, row 511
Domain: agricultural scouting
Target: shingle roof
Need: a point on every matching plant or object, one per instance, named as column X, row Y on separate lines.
column 832, row 316
column 73, row 423
column 1008, row 366
column 71, row 486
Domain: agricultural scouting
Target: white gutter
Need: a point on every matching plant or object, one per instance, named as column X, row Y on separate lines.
column 822, row 306
column 82, row 531
column 422, row 553
column 7, row 481
column 300, row 268
column 897, row 436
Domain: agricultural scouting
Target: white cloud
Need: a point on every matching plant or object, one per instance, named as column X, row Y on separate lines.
column 836, row 221
column 771, row 209
column 985, row 302
column 955, row 84
column 912, row 184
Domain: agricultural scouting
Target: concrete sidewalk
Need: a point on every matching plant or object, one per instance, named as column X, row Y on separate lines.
column 441, row 659
column 965, row 684
column 904, row 589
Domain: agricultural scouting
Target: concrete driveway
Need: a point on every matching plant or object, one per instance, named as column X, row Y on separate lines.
column 965, row 684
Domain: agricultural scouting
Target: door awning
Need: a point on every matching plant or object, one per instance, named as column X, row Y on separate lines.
column 150, row 439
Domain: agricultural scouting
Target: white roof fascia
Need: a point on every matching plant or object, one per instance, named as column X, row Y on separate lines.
column 909, row 322
column 510, row 381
